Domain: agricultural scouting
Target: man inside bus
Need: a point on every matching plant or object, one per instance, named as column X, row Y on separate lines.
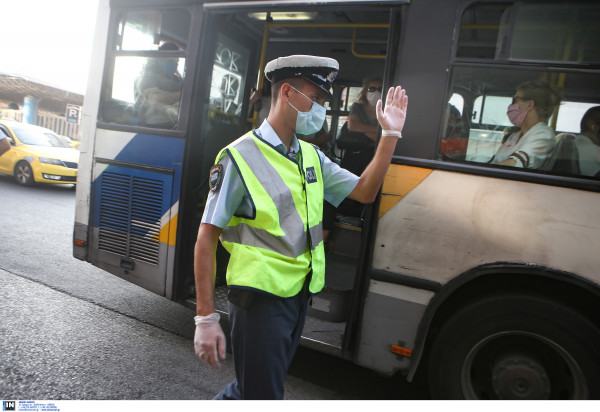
column 265, row 202
column 588, row 142
column 157, row 91
column 531, row 108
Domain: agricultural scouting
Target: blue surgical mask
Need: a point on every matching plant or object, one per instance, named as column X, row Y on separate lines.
column 168, row 66
column 312, row 121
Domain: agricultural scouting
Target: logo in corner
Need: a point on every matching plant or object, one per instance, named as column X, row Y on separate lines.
column 311, row 175
column 9, row 405
column 215, row 177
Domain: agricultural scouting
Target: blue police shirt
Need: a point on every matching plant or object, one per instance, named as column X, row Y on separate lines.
column 232, row 199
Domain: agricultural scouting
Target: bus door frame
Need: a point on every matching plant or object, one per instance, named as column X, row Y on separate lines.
column 195, row 179
column 363, row 274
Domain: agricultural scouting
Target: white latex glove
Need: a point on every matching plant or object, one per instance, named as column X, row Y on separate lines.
column 393, row 118
column 209, row 339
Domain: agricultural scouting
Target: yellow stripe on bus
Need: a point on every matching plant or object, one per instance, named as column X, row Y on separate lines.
column 167, row 232
column 399, row 181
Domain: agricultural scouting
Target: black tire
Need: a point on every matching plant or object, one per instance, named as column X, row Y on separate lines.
column 24, row 174
column 516, row 347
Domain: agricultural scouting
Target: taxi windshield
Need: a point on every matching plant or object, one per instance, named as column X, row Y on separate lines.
column 39, row 137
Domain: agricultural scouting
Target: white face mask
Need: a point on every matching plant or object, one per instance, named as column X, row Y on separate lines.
column 312, row 121
column 373, row 97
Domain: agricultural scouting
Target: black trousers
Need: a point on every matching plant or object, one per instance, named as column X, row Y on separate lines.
column 265, row 332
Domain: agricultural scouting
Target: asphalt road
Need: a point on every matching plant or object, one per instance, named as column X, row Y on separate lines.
column 69, row 330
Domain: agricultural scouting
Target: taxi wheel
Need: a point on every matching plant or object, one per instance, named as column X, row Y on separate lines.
column 516, row 347
column 24, row 174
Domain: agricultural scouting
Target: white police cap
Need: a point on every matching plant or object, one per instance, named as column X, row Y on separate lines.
column 321, row 71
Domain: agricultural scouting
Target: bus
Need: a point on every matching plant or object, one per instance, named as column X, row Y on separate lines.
column 483, row 277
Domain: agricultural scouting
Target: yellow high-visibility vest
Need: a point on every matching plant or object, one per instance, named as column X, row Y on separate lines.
column 276, row 248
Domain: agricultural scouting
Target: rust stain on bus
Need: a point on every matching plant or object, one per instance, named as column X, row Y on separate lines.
column 399, row 181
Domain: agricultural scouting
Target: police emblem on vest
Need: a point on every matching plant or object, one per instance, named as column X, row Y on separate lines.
column 311, row 175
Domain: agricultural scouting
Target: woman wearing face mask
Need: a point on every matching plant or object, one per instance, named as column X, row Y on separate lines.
column 362, row 116
column 158, row 90
column 532, row 142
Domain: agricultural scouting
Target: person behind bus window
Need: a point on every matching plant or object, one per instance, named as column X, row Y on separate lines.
column 362, row 117
column 261, row 99
column 456, row 137
column 158, row 90
column 531, row 108
column 588, row 142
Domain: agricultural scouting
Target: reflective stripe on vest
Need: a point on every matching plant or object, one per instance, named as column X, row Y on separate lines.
column 270, row 252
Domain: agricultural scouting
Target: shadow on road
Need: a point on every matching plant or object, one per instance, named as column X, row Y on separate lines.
column 359, row 383
column 40, row 187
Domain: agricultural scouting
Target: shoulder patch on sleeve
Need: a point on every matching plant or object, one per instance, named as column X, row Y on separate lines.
column 215, row 177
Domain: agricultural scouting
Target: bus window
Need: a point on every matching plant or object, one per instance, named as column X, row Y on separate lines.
column 139, row 30
column 556, row 32
column 570, row 115
column 146, row 90
column 226, row 116
column 561, row 32
column 228, row 80
column 481, row 132
column 488, row 94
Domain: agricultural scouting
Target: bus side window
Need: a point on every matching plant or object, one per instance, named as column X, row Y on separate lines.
column 146, row 90
column 491, row 76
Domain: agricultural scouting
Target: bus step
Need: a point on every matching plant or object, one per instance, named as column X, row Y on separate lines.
column 330, row 305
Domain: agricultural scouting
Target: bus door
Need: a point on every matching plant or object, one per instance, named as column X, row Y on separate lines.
column 226, row 70
column 358, row 37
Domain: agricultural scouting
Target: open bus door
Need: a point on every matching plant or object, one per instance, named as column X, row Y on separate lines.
column 226, row 71
column 232, row 44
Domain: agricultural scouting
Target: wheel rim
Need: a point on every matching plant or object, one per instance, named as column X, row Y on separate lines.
column 521, row 365
column 23, row 173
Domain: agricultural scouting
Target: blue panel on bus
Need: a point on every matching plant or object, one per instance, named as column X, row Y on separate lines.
column 134, row 200
column 131, row 200
column 153, row 151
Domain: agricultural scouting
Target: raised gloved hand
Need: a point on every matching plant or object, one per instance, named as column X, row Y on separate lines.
column 393, row 117
column 209, row 340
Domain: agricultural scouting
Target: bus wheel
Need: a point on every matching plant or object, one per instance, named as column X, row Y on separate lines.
column 516, row 347
column 24, row 174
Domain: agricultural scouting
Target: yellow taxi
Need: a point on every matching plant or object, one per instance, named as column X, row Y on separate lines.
column 37, row 155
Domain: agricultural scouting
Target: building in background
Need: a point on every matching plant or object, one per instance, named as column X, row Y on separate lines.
column 31, row 101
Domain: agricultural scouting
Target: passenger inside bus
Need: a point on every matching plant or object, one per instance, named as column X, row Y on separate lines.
column 362, row 116
column 157, row 91
column 456, row 139
column 588, row 143
column 362, row 119
column 531, row 108
column 261, row 101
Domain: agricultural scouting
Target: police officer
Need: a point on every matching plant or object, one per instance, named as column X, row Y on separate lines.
column 266, row 205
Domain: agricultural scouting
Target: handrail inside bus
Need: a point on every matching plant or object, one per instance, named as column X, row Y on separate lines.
column 360, row 55
column 355, row 26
